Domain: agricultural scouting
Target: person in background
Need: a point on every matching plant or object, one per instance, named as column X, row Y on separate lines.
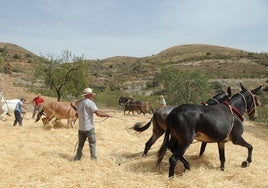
column 18, row 112
column 162, row 101
column 85, row 112
column 36, row 102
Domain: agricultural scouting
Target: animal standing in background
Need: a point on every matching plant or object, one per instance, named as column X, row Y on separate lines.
column 160, row 116
column 128, row 104
column 217, row 123
column 138, row 106
column 7, row 106
column 58, row 110
column 124, row 100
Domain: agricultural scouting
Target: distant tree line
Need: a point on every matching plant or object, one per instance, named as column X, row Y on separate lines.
column 184, row 87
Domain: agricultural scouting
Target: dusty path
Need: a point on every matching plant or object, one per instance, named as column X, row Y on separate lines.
column 35, row 156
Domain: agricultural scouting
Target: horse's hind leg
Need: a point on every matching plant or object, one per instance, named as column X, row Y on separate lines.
column 202, row 148
column 178, row 155
column 149, row 143
column 157, row 132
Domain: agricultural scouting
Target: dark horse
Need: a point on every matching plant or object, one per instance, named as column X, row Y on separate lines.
column 124, row 101
column 218, row 123
column 160, row 116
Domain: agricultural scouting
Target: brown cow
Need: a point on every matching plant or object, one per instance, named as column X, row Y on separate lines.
column 58, row 110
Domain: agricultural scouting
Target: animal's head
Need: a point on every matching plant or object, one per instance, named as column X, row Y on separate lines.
column 121, row 100
column 251, row 101
column 220, row 97
column 124, row 100
column 45, row 121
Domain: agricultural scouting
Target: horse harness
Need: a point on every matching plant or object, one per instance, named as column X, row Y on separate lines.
column 236, row 111
column 215, row 100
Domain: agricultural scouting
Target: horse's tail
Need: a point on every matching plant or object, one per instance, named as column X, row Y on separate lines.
column 137, row 126
column 163, row 149
column 39, row 115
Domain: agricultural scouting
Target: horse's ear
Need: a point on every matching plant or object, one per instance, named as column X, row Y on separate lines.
column 229, row 91
column 242, row 87
column 254, row 91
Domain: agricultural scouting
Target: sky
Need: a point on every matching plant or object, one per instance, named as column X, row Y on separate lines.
column 99, row 29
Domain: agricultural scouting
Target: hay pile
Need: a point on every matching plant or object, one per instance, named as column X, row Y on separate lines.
column 38, row 156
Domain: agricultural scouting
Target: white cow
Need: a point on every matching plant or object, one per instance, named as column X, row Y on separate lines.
column 7, row 106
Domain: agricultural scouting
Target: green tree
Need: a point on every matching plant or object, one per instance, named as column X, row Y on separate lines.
column 64, row 76
column 184, row 87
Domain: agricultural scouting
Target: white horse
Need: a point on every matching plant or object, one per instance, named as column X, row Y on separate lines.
column 7, row 106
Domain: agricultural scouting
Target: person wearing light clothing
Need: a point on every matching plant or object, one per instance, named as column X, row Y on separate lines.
column 162, row 101
column 85, row 112
column 18, row 112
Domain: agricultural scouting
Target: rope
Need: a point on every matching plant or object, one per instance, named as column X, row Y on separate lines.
column 101, row 120
column 135, row 156
column 138, row 155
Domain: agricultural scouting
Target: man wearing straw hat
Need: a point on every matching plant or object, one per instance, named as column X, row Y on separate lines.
column 85, row 111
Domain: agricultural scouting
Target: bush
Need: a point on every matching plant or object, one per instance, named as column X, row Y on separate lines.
column 16, row 56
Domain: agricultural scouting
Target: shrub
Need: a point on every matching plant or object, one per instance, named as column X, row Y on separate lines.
column 16, row 56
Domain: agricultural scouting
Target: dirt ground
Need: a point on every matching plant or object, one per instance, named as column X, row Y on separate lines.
column 35, row 155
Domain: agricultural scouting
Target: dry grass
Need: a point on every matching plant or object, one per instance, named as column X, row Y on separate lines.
column 38, row 156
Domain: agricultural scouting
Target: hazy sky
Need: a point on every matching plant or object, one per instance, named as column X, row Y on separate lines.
column 100, row 29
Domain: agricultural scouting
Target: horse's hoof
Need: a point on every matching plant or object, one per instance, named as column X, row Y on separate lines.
column 245, row 164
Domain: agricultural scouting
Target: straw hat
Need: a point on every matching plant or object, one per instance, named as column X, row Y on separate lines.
column 88, row 91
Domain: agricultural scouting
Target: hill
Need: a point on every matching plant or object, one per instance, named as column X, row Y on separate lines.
column 218, row 62
column 131, row 74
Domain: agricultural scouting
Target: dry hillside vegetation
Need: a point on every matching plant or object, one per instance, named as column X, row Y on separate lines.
column 132, row 73
column 40, row 156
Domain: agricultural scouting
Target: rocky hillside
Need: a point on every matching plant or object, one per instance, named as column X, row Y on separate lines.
column 231, row 66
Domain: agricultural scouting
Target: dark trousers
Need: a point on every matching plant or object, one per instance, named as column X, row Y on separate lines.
column 18, row 118
column 82, row 136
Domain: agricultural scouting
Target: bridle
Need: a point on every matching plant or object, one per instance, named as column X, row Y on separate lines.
column 253, row 104
column 248, row 111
